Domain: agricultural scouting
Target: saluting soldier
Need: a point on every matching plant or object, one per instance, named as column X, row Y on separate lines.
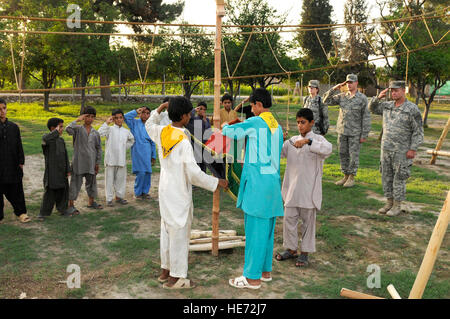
column 402, row 135
column 320, row 110
column 353, row 125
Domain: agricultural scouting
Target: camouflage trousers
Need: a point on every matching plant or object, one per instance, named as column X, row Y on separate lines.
column 349, row 153
column 395, row 169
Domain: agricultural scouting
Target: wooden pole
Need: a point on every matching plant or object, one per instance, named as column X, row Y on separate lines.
column 431, row 253
column 440, row 153
column 440, row 141
column 393, row 292
column 356, row 295
column 220, row 12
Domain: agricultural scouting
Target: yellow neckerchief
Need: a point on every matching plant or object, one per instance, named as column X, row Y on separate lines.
column 270, row 121
column 170, row 137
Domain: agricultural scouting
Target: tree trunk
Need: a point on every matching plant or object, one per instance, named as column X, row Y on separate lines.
column 46, row 100
column 425, row 114
column 83, row 79
column 105, row 92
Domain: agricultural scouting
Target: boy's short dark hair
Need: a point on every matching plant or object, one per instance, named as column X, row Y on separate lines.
column 90, row 110
column 202, row 103
column 2, row 101
column 178, row 106
column 261, row 95
column 166, row 99
column 117, row 111
column 53, row 122
column 307, row 114
column 225, row 97
column 147, row 107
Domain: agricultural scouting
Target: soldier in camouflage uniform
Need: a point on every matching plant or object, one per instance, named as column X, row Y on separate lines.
column 319, row 109
column 402, row 135
column 353, row 125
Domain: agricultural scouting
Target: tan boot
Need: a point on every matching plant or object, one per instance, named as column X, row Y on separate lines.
column 342, row 181
column 387, row 206
column 350, row 181
column 396, row 209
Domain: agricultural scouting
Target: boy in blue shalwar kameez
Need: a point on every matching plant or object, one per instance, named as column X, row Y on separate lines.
column 260, row 188
column 143, row 151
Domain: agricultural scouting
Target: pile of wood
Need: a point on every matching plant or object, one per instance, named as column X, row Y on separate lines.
column 202, row 240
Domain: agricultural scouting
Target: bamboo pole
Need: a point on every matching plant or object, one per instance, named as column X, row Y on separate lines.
column 356, row 295
column 209, row 239
column 440, row 141
column 432, row 250
column 220, row 12
column 222, row 245
column 440, row 153
column 393, row 292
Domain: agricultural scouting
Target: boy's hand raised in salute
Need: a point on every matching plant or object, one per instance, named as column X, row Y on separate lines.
column 109, row 120
column 81, row 117
column 163, row 107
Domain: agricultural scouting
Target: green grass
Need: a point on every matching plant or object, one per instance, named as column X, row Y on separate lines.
column 120, row 246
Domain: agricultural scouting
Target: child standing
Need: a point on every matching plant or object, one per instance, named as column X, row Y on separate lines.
column 302, row 187
column 260, row 188
column 87, row 154
column 179, row 171
column 118, row 140
column 143, row 151
column 57, row 170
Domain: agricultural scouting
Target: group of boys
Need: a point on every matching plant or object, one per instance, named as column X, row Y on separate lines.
column 299, row 196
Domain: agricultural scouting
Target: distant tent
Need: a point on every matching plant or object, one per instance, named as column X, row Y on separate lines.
column 445, row 90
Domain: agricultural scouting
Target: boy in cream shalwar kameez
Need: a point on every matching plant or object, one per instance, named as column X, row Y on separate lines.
column 179, row 171
column 118, row 140
column 302, row 187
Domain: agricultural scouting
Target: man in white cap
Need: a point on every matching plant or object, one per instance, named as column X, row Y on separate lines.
column 353, row 125
column 402, row 135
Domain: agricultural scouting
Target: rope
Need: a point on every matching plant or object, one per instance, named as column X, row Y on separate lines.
column 429, row 32
column 323, row 49
column 22, row 62
column 243, row 52
column 273, row 53
column 225, row 56
column 343, row 65
column 14, row 64
column 137, row 65
column 150, row 54
column 225, row 26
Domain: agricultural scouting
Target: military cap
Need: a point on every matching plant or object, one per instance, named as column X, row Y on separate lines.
column 351, row 78
column 313, row 83
column 397, row 84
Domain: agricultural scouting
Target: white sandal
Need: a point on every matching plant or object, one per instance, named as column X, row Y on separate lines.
column 241, row 282
column 266, row 279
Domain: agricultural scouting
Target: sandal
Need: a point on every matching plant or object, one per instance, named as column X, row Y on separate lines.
column 266, row 279
column 122, row 201
column 95, row 205
column 182, row 283
column 24, row 218
column 71, row 211
column 302, row 261
column 285, row 255
column 241, row 282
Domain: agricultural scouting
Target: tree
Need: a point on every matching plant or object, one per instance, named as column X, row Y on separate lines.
column 186, row 58
column 315, row 12
column 357, row 46
column 427, row 67
column 258, row 57
column 43, row 53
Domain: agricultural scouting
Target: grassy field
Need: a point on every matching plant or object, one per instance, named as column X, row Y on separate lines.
column 117, row 249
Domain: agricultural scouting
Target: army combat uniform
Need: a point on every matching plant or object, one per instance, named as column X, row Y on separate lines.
column 402, row 131
column 352, row 125
column 319, row 109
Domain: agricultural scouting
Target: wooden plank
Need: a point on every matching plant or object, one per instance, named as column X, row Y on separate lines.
column 209, row 239
column 221, row 245
column 393, row 292
column 432, row 250
column 438, row 153
column 208, row 233
column 356, row 295
column 441, row 141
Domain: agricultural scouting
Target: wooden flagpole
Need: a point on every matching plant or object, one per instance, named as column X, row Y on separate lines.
column 220, row 12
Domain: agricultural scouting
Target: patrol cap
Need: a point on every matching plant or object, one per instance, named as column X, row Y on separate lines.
column 313, row 83
column 397, row 84
column 351, row 78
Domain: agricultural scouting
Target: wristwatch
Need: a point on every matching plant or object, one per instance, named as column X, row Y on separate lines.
column 310, row 141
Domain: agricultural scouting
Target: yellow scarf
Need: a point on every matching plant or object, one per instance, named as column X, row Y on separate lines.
column 270, row 121
column 170, row 137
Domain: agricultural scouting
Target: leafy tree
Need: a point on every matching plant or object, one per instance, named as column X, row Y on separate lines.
column 258, row 57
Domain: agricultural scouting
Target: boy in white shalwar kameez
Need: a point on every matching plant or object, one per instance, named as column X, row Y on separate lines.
column 118, row 140
column 302, row 187
column 179, row 171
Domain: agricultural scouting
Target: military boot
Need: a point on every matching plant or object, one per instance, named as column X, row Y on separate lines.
column 396, row 209
column 387, row 206
column 342, row 181
column 350, row 181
